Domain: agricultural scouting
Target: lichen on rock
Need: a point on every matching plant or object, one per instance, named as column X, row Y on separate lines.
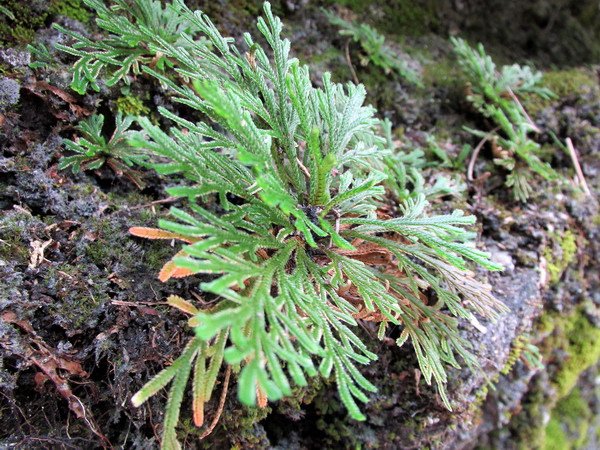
column 9, row 93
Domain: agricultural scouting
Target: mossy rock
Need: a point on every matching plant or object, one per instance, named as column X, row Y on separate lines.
column 444, row 72
column 12, row 244
column 572, row 347
column 568, row 83
column 560, row 254
column 29, row 16
column 81, row 295
column 397, row 17
column 569, row 425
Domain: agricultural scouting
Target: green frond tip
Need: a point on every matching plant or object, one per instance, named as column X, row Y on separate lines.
column 7, row 12
column 166, row 375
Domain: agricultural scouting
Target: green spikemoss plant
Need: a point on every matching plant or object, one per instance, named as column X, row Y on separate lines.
column 403, row 171
column 376, row 51
column 494, row 94
column 298, row 239
column 92, row 150
column 136, row 28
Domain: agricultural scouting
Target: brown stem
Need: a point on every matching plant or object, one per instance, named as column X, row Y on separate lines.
column 349, row 61
column 215, row 420
column 475, row 153
column 578, row 170
column 516, row 100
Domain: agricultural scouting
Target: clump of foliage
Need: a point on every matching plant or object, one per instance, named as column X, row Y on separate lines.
column 93, row 150
column 374, row 47
column 441, row 156
column 137, row 29
column 403, row 168
column 494, row 94
column 299, row 238
column 523, row 349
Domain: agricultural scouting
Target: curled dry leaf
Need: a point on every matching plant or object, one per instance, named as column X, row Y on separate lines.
column 36, row 352
column 37, row 252
column 169, row 270
column 40, row 89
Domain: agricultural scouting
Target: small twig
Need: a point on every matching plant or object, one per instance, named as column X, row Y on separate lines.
column 136, row 304
column 215, row 420
column 417, row 374
column 479, row 182
column 92, row 424
column 337, row 220
column 349, row 61
column 516, row 99
column 475, row 154
column 578, row 170
column 21, row 209
column 303, row 168
column 364, row 327
column 202, row 301
column 156, row 202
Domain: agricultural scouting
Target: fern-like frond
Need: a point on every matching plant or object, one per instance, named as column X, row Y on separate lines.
column 294, row 243
column 92, row 149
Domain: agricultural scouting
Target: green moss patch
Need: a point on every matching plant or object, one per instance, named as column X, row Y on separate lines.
column 570, row 346
column 569, row 82
column 569, row 424
column 74, row 9
column 564, row 84
column 576, row 341
column 27, row 17
column 130, row 105
column 560, row 255
column 14, row 243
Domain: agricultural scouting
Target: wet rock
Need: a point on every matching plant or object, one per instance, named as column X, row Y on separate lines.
column 521, row 293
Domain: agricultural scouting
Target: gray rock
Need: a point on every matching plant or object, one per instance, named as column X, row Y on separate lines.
column 9, row 93
column 15, row 58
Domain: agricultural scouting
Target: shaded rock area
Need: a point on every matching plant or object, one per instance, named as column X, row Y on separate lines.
column 83, row 323
column 563, row 32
